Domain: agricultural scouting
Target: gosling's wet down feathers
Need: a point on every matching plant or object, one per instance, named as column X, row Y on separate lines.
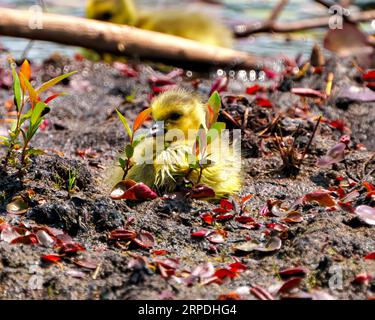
column 183, row 110
column 187, row 24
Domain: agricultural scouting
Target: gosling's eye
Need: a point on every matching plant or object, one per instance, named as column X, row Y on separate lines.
column 175, row 116
column 105, row 16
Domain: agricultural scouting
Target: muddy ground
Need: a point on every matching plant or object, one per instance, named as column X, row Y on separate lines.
column 83, row 135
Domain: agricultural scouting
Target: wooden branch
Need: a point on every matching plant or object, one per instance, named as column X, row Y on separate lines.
column 124, row 40
column 277, row 11
column 242, row 31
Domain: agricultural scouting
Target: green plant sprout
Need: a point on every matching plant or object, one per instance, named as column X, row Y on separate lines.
column 71, row 183
column 206, row 135
column 126, row 163
column 30, row 113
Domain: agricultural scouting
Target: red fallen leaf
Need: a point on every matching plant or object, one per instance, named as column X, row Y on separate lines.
column 338, row 124
column 369, row 75
column 309, row 93
column 219, row 85
column 290, row 284
column 44, row 238
column 87, row 264
column 28, row 239
column 64, row 239
column 201, row 192
column 226, row 205
column 322, row 197
column 346, row 206
column 254, row 89
column 369, row 187
column 236, row 266
column 144, row 239
column 160, row 252
column 225, row 273
column 296, row 271
column 245, row 199
column 224, row 217
column 51, row 258
column 70, row 248
column 125, row 69
column 156, row 89
column 293, row 217
column 216, row 238
column 3, row 225
column 244, row 219
column 363, row 278
column 261, row 293
column 207, row 217
column 160, row 81
column 169, row 263
column 8, row 234
column 123, row 235
column 230, row 296
column 366, row 214
column 201, row 233
column 130, row 190
column 370, row 256
column 277, row 226
column 263, row 102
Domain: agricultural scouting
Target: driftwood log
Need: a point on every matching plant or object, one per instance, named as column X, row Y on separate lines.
column 123, row 40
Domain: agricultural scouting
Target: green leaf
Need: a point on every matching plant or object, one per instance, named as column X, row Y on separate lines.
column 122, row 163
column 35, row 152
column 215, row 103
column 33, row 129
column 125, row 124
column 17, row 88
column 53, row 82
column 129, row 151
column 138, row 139
column 215, row 131
column 37, row 112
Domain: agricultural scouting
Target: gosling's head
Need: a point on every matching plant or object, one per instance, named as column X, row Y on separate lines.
column 179, row 109
column 116, row 11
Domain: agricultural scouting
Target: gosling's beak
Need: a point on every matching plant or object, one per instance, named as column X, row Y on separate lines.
column 157, row 129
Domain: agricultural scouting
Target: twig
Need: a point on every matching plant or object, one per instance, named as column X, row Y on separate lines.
column 277, row 11
column 310, row 141
column 245, row 30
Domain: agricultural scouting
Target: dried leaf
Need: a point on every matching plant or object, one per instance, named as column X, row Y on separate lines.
column 201, row 192
column 144, row 239
column 334, row 155
column 17, row 206
column 309, row 93
column 130, row 190
column 86, row 263
column 290, row 284
column 296, row 271
column 51, row 258
column 322, row 197
column 366, row 214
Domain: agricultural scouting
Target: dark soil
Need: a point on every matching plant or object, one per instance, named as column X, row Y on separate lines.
column 85, row 122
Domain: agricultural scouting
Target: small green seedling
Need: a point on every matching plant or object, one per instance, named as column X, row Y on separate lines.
column 71, row 183
column 31, row 111
column 126, row 163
